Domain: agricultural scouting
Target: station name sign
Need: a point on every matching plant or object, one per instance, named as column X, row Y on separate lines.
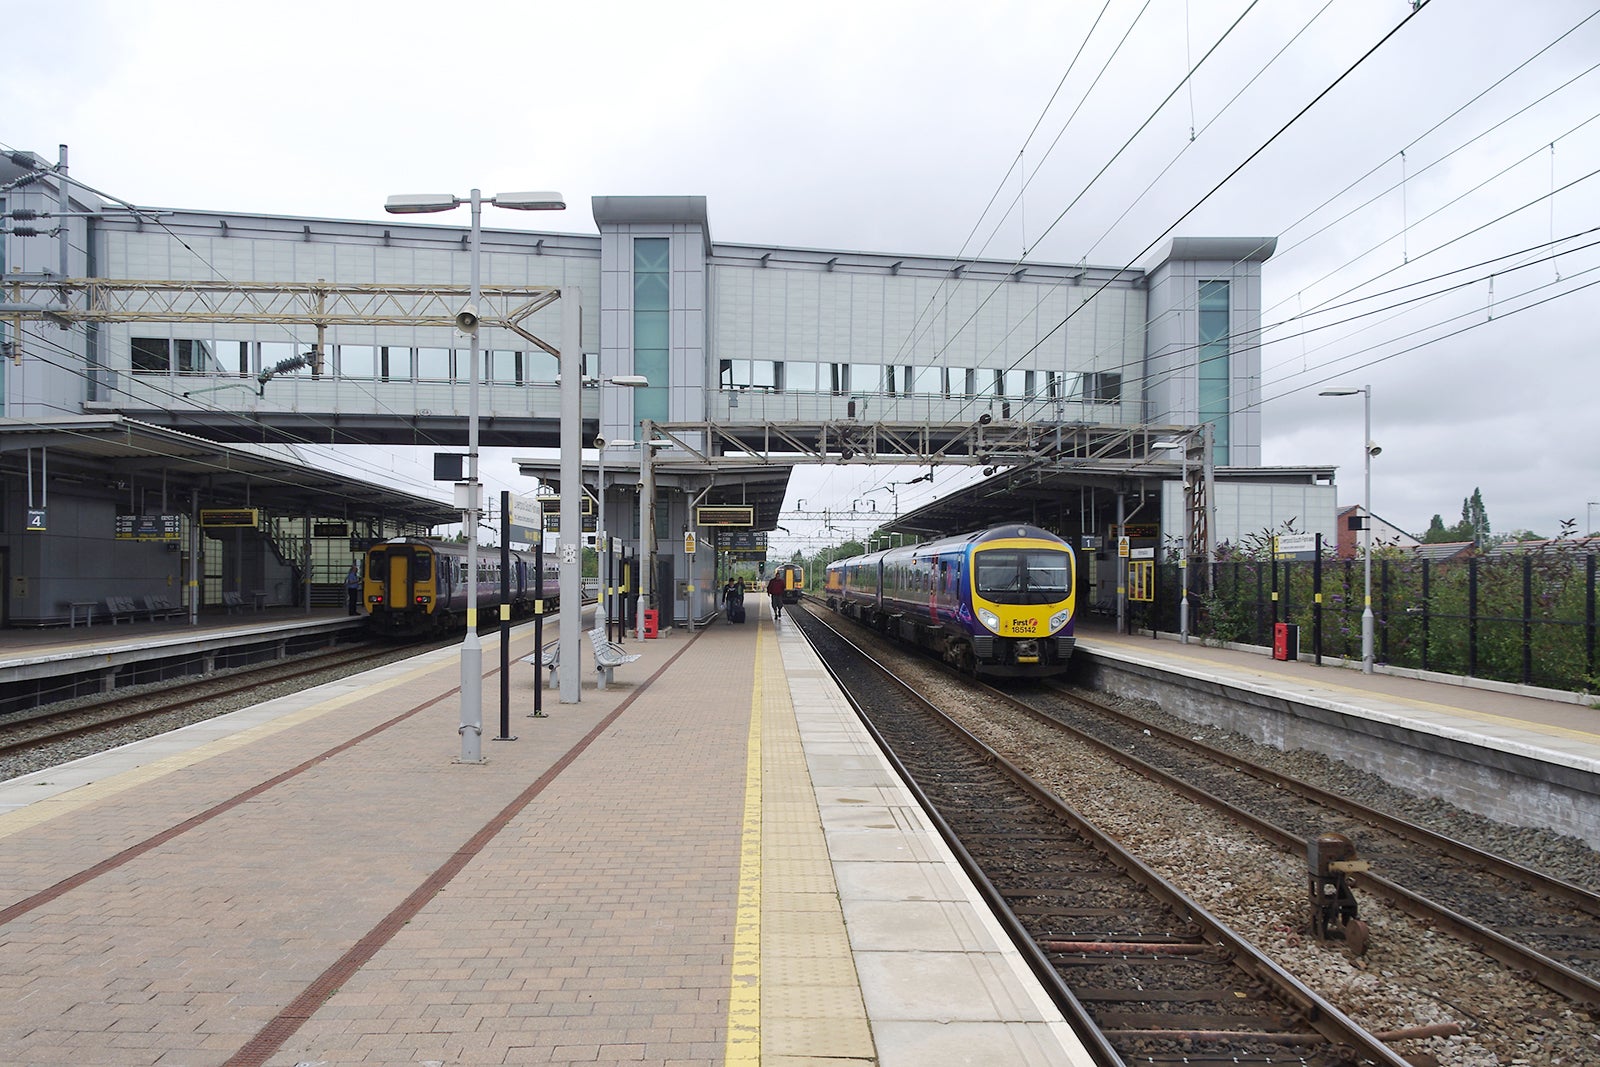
column 214, row 518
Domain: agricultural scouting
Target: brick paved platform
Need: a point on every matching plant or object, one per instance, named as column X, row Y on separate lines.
column 705, row 863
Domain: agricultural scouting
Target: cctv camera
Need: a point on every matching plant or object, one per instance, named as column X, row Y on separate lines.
column 467, row 319
column 1373, row 449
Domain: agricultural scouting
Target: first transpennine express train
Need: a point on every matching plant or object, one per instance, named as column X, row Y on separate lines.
column 413, row 587
column 997, row 602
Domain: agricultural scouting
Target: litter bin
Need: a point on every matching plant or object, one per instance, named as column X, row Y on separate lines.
column 647, row 627
column 1285, row 641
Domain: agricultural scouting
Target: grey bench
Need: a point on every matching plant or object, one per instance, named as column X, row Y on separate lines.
column 160, row 607
column 233, row 602
column 548, row 657
column 121, row 607
column 608, row 655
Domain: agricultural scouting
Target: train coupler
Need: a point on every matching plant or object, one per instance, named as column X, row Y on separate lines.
column 1330, row 860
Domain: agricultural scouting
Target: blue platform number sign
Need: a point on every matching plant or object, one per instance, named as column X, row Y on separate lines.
column 36, row 520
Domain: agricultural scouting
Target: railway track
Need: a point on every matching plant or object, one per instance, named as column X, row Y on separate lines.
column 24, row 733
column 1143, row 972
column 1522, row 917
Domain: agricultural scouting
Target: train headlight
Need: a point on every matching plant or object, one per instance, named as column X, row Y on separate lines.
column 1058, row 620
column 989, row 619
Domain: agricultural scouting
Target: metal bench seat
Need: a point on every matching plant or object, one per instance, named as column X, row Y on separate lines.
column 608, row 655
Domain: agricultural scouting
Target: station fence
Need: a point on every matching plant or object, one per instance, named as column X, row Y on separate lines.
column 1521, row 617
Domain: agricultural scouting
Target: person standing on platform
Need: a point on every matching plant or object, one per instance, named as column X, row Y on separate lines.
column 352, row 589
column 775, row 591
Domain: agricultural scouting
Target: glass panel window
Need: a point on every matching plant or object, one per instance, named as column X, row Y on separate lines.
column 800, row 377
column 396, row 363
column 273, row 353
column 865, row 378
column 433, row 364
column 152, row 355
column 1103, row 387
column 357, row 361
column 927, row 381
column 1213, row 341
column 504, row 368
column 540, row 368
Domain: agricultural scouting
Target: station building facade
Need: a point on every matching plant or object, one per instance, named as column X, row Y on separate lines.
column 248, row 328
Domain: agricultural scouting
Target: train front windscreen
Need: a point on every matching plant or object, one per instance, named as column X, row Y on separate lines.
column 1023, row 576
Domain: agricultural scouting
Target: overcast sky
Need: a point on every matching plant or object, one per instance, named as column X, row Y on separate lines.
column 1430, row 176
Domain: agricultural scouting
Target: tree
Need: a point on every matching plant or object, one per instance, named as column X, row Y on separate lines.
column 1474, row 520
column 1437, row 533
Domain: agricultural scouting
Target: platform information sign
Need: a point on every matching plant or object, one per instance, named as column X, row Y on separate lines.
column 148, row 527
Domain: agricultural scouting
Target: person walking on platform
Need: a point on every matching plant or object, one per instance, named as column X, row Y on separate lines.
column 775, row 591
column 352, row 589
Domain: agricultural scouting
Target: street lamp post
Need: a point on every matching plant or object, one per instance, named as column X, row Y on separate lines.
column 471, row 728
column 1588, row 517
column 1368, row 450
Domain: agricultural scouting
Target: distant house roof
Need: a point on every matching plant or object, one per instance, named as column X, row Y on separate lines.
column 1580, row 544
column 1443, row 549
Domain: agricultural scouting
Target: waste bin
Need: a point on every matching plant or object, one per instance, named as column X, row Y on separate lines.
column 1285, row 641
column 647, row 626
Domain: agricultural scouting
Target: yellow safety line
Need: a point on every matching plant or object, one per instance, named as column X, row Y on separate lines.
column 744, row 995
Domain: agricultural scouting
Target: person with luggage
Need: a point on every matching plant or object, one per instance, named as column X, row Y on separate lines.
column 728, row 596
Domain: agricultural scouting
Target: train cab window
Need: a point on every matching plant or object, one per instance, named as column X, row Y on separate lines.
column 1023, row 577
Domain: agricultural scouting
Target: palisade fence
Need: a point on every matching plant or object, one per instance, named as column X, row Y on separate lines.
column 1518, row 617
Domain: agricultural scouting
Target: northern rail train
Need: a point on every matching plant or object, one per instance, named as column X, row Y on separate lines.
column 998, row 602
column 414, row 587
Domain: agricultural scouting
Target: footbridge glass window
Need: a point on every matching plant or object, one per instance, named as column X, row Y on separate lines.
column 1213, row 354
column 1103, row 387
column 652, row 310
column 357, row 361
column 800, row 377
column 163, row 355
column 927, row 381
column 433, row 364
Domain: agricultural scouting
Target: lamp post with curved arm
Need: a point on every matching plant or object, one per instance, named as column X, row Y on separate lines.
column 471, row 728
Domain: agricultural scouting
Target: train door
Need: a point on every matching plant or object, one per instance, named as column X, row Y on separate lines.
column 397, row 582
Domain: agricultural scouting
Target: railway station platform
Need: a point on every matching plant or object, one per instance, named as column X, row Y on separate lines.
column 40, row 665
column 1514, row 753
column 707, row 862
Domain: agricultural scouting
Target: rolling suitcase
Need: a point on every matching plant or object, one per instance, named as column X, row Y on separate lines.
column 736, row 611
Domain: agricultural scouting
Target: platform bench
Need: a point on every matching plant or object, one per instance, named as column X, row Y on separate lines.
column 548, row 657
column 121, row 607
column 608, row 655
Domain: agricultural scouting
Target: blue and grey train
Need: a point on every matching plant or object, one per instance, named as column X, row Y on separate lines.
column 998, row 602
column 414, row 587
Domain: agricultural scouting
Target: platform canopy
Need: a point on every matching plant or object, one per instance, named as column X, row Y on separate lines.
column 118, row 454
